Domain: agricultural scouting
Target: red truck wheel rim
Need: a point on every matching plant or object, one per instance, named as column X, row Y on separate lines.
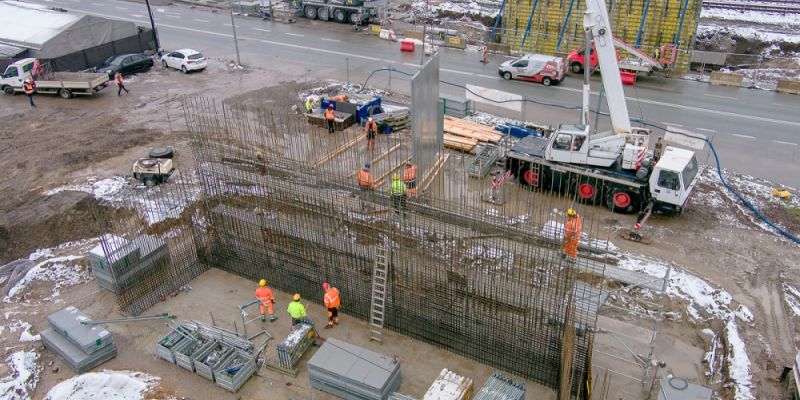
column 622, row 199
column 531, row 177
column 586, row 190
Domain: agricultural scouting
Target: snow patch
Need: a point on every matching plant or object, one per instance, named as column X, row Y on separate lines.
column 104, row 189
column 792, row 298
column 24, row 376
column 758, row 17
column 25, row 335
column 107, row 384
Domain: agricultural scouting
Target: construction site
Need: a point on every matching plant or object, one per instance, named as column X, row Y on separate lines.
column 472, row 255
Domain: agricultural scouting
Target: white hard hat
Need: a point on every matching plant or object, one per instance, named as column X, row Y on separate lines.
column 370, row 119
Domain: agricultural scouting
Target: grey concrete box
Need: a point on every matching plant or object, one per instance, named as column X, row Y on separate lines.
column 89, row 338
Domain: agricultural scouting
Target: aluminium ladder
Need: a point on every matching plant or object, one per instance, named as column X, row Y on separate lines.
column 379, row 280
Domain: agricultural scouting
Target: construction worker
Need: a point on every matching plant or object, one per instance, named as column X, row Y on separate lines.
column 330, row 118
column 485, row 52
column 29, row 86
column 309, row 104
column 410, row 178
column 296, row 310
column 572, row 235
column 398, row 192
column 371, row 130
column 658, row 150
column 266, row 299
column 332, row 303
column 120, row 83
column 365, row 181
column 657, row 54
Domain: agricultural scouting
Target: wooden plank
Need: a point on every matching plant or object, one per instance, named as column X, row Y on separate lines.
column 431, row 176
column 382, row 178
column 378, row 158
column 341, row 149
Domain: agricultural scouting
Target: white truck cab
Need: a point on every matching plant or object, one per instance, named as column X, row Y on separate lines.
column 15, row 74
column 674, row 176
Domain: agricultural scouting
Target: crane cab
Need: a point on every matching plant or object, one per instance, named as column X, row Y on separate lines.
column 673, row 179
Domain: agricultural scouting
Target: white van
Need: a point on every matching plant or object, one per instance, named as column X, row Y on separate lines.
column 539, row 68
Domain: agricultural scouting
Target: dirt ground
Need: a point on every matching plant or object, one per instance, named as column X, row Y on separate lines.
column 100, row 136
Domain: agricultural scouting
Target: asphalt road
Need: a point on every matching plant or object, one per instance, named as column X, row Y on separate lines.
column 754, row 132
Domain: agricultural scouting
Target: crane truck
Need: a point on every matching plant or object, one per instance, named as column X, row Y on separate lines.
column 615, row 167
column 343, row 11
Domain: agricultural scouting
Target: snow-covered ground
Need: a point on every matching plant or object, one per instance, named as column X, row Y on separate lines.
column 106, row 384
column 23, row 376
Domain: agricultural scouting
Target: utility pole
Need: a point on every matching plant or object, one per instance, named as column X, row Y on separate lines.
column 153, row 25
column 235, row 40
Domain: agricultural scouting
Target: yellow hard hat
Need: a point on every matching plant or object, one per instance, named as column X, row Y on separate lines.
column 296, row 297
column 262, row 282
column 395, row 177
column 571, row 212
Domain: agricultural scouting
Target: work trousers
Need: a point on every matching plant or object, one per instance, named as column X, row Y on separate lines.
column 30, row 98
column 120, row 88
column 399, row 203
column 330, row 125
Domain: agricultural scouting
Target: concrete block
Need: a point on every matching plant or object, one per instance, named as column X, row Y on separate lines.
column 726, row 78
column 413, row 35
column 789, row 86
column 374, row 29
column 455, row 42
column 500, row 48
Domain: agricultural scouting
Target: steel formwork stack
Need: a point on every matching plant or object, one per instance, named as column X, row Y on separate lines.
column 551, row 27
column 281, row 201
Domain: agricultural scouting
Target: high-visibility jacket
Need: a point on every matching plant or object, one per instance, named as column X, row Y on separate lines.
column 331, row 298
column 264, row 295
column 29, row 87
column 296, row 310
column 398, row 188
column 410, row 173
column 118, row 79
column 329, row 115
column 309, row 104
column 572, row 236
column 365, row 178
column 371, row 127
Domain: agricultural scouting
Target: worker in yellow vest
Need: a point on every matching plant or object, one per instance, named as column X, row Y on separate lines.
column 410, row 178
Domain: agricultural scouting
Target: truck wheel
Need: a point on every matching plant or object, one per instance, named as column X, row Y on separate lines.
column 621, row 201
column 149, row 182
column 352, row 18
column 322, row 13
column 507, row 75
column 531, row 177
column 588, row 191
column 310, row 12
column 547, row 82
column 161, row 152
column 790, row 387
column 9, row 90
column 576, row 67
column 340, row 16
column 64, row 93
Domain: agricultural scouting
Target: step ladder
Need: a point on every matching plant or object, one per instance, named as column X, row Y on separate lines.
column 379, row 280
column 486, row 156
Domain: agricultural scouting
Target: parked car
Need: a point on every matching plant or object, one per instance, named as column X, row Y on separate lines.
column 126, row 63
column 186, row 60
column 547, row 70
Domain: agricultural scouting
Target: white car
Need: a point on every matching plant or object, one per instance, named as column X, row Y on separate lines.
column 185, row 60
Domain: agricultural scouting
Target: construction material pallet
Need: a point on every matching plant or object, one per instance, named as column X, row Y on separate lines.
column 352, row 372
column 341, row 122
column 186, row 351
column 166, row 344
column 235, row 370
column 487, row 155
column 501, row 387
column 211, row 357
column 295, row 345
column 72, row 355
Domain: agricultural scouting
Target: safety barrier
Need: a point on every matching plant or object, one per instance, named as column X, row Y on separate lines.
column 374, row 29
column 413, row 35
column 500, row 48
column 789, row 86
column 726, row 78
column 455, row 42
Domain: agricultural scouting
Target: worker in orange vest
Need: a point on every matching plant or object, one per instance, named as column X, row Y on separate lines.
column 30, row 89
column 572, row 234
column 120, row 83
column 332, row 303
column 365, row 181
column 410, row 178
column 265, row 299
column 485, row 51
column 371, row 130
column 330, row 118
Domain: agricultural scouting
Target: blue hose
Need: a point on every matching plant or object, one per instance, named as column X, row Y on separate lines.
column 725, row 183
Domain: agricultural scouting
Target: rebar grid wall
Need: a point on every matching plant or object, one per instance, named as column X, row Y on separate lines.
column 160, row 218
column 474, row 278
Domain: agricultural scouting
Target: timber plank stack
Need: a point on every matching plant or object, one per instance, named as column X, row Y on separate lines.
column 463, row 135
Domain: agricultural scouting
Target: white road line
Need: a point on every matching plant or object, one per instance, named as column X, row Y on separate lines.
column 173, row 16
column 706, row 130
column 137, row 16
column 786, row 143
column 743, row 136
column 200, row 20
column 720, row 96
column 294, row 34
column 121, row 8
column 670, row 123
column 262, row 30
column 456, row 71
column 226, row 25
column 411, row 65
column 330, row 40
column 98, row 4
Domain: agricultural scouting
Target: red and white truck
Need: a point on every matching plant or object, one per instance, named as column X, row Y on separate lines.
column 539, row 68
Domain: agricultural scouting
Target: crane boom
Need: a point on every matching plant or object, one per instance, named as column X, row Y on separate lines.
column 596, row 21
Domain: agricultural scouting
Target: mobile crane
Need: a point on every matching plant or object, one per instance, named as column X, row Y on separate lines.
column 614, row 167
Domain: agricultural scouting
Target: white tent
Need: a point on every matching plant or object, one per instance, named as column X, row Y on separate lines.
column 49, row 33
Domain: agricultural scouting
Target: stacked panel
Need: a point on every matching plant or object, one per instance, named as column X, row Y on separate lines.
column 352, row 372
column 82, row 347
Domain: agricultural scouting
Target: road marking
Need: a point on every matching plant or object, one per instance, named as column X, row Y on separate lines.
column 670, row 123
column 294, row 34
column 456, row 71
column 173, row 16
column 200, row 20
column 225, row 25
column 786, row 143
column 411, row 65
column 262, row 30
column 98, row 4
column 137, row 15
column 706, row 130
column 743, row 136
column 330, row 40
column 121, row 8
column 720, row 96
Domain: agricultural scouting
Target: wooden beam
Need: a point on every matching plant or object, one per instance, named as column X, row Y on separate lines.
column 341, row 149
column 389, row 172
column 431, row 176
column 378, row 158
